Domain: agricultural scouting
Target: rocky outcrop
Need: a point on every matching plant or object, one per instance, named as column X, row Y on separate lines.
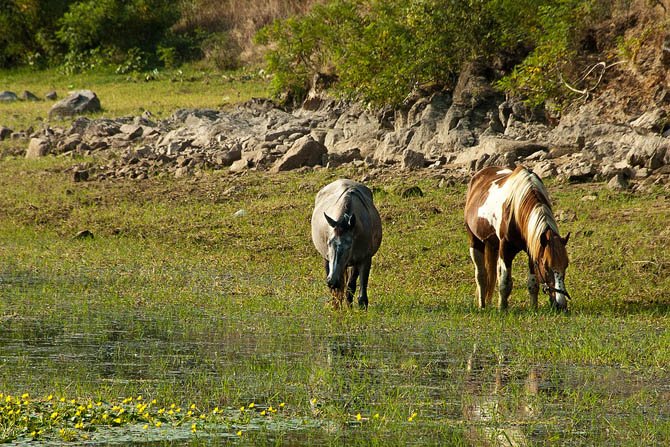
column 453, row 133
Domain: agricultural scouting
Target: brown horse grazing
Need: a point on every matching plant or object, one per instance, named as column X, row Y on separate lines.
column 506, row 212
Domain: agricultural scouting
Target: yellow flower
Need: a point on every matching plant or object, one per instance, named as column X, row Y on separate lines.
column 172, row 406
column 54, row 414
column 251, row 405
column 49, row 397
column 358, row 417
column 241, row 408
column 99, row 403
column 161, row 410
column 73, row 401
column 24, row 396
column 104, row 416
column 376, row 416
column 139, row 397
column 62, row 399
column 189, row 413
column 202, row 416
column 178, row 410
column 117, row 420
column 216, row 410
column 193, row 427
column 170, row 412
column 281, row 405
column 314, row 401
column 145, row 426
column 192, row 407
column 239, row 433
column 153, row 402
column 158, row 424
column 84, row 436
column 263, row 413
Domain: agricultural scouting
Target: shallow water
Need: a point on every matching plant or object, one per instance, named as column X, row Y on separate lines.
column 461, row 387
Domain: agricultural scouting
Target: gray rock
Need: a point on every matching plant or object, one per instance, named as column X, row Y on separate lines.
column 79, row 102
column 618, row 183
column 654, row 120
column 411, row 160
column 239, row 165
column 181, row 171
column 338, row 158
column 304, row 152
column 29, row 96
column 228, row 157
column 240, row 213
column 495, row 145
column 51, row 96
column 80, row 175
column 38, row 147
column 131, row 131
column 7, row 96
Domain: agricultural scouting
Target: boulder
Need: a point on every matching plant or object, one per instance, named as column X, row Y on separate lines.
column 228, row 157
column 38, row 147
column 495, row 145
column 51, row 96
column 79, row 102
column 411, row 160
column 29, row 96
column 618, row 183
column 304, row 152
column 7, row 96
column 654, row 120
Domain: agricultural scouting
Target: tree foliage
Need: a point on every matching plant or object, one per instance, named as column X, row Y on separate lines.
column 381, row 49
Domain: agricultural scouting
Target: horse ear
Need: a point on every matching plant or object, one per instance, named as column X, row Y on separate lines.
column 352, row 222
column 330, row 221
column 565, row 239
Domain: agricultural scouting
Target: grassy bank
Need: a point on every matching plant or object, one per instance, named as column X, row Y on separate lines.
column 160, row 92
column 178, row 300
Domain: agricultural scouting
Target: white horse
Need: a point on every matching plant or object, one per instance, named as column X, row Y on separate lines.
column 347, row 232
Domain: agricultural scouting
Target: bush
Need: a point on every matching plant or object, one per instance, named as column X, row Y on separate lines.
column 381, row 49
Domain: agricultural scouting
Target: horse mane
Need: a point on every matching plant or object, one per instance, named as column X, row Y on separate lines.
column 529, row 205
column 347, row 194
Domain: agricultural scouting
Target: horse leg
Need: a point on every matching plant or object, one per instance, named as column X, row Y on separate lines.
column 351, row 285
column 533, row 286
column 477, row 255
column 365, row 274
column 506, row 256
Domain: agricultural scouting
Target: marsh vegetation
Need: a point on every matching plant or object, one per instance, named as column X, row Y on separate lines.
column 177, row 300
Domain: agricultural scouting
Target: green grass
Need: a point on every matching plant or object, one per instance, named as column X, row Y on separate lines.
column 165, row 92
column 178, row 300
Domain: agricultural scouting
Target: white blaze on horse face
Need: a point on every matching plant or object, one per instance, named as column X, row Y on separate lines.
column 559, row 285
column 492, row 209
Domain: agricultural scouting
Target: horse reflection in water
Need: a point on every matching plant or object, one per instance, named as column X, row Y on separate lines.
column 347, row 232
column 507, row 212
column 485, row 409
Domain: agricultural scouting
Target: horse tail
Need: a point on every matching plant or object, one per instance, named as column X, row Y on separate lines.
column 491, row 265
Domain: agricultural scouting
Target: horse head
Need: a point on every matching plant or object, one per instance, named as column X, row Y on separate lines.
column 551, row 266
column 340, row 244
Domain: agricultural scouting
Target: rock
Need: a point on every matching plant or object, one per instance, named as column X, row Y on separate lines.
column 80, row 101
column 181, row 171
column 618, row 183
column 7, row 96
column 84, row 234
column 51, row 96
column 566, row 216
column 654, row 120
column 411, row 191
column 239, row 165
column 578, row 172
column 336, row 159
column 5, row 132
column 588, row 198
column 495, row 145
column 38, row 147
column 29, row 96
column 228, row 157
column 411, row 160
column 304, row 152
column 131, row 131
column 240, row 213
column 665, row 51
column 80, row 175
column 69, row 143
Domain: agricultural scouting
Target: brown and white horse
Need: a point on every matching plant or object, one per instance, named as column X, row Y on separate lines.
column 507, row 212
